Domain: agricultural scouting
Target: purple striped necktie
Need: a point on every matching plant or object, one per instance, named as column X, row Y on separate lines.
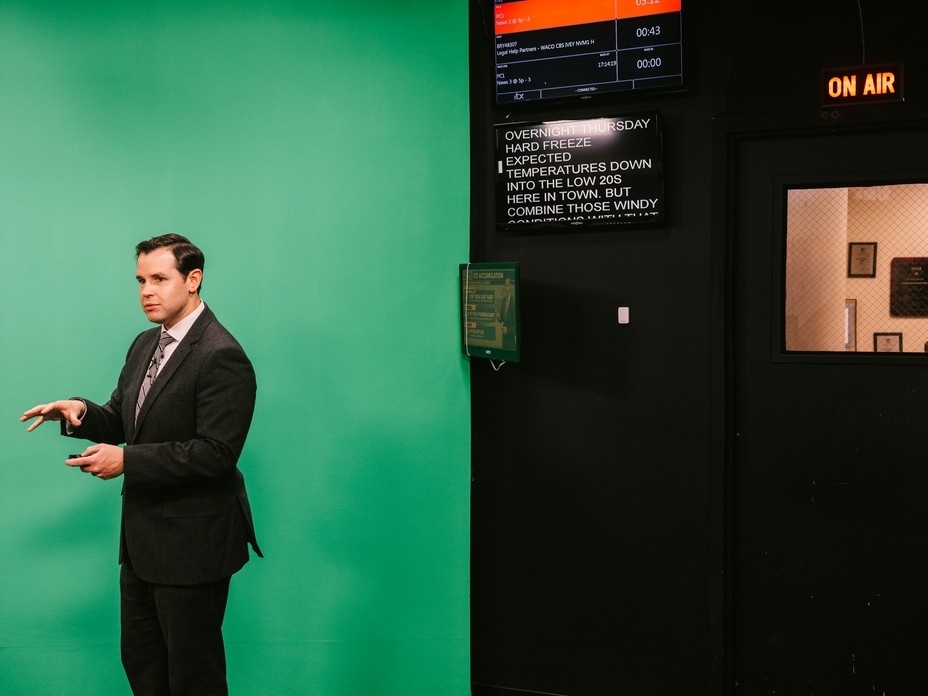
column 156, row 361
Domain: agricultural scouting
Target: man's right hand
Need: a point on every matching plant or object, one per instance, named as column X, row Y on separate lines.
column 70, row 410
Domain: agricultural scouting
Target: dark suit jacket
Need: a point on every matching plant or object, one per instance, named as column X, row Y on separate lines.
column 185, row 514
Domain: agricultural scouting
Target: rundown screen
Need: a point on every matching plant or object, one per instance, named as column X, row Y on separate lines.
column 549, row 49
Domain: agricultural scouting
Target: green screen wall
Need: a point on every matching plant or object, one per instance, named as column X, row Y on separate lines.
column 318, row 153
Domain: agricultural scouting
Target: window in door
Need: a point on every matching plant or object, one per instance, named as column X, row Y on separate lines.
column 856, row 271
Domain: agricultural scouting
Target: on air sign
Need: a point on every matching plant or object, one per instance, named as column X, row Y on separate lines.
column 865, row 84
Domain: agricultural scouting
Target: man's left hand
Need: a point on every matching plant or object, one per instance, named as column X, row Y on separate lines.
column 103, row 461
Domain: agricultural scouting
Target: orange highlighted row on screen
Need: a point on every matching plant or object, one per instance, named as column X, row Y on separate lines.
column 529, row 15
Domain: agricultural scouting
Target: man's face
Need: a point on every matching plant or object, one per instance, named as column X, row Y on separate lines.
column 166, row 296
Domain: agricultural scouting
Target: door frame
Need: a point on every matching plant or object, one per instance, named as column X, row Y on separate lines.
column 731, row 136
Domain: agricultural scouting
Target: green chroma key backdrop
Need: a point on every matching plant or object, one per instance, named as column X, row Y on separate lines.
column 318, row 153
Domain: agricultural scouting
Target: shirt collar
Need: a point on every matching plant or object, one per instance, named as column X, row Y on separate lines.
column 181, row 328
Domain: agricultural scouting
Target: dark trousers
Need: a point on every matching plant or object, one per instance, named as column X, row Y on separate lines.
column 172, row 636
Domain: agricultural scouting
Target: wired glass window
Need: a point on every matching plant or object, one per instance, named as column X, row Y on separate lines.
column 857, row 269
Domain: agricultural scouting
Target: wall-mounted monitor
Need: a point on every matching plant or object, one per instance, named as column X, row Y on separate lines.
column 580, row 172
column 568, row 49
column 490, row 317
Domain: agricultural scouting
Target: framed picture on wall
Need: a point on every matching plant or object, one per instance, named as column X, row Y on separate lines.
column 908, row 286
column 887, row 342
column 861, row 260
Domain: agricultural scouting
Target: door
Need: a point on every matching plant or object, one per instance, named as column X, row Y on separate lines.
column 828, row 471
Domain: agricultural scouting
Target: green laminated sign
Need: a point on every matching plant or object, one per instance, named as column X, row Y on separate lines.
column 490, row 321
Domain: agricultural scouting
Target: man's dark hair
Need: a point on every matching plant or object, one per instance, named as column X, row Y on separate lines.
column 186, row 254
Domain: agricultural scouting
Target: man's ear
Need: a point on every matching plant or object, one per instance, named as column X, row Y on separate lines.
column 194, row 278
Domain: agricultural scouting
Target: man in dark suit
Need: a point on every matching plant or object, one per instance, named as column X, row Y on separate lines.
column 182, row 406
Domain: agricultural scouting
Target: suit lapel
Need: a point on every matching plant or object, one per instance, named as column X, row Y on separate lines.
column 163, row 378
